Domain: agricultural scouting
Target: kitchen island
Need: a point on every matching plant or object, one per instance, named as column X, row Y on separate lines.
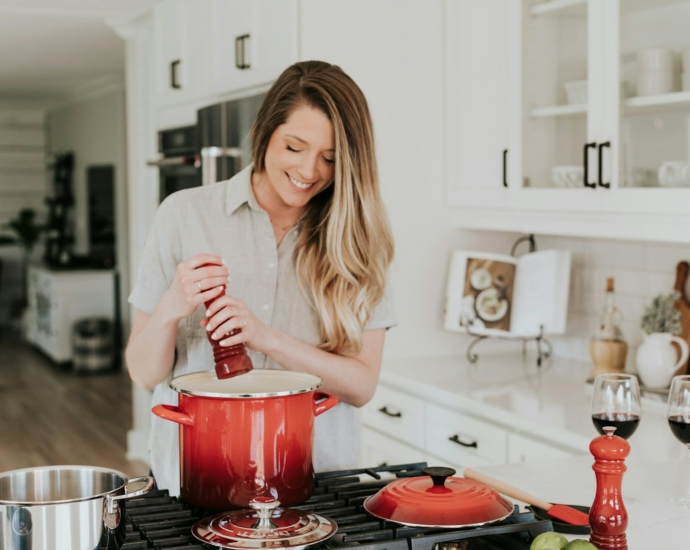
column 549, row 404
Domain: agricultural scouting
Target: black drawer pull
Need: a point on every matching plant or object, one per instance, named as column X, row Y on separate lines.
column 456, row 439
column 385, row 411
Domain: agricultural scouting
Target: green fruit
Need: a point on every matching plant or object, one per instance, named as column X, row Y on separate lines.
column 549, row 541
column 580, row 544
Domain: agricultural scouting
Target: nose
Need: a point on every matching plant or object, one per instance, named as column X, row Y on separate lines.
column 307, row 170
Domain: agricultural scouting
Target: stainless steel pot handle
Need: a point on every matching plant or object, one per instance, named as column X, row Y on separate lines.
column 112, row 501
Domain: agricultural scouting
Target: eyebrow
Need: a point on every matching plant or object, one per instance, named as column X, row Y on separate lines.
column 302, row 141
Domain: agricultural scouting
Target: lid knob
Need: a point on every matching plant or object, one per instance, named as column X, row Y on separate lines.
column 264, row 507
column 438, row 475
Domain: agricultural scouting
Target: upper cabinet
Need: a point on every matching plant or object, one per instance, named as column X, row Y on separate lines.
column 181, row 43
column 588, row 122
column 252, row 42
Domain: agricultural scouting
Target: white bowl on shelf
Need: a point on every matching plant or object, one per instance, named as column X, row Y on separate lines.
column 567, row 176
column 576, row 92
column 656, row 59
column 656, row 82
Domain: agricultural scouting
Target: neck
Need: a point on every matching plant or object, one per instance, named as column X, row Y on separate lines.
column 280, row 213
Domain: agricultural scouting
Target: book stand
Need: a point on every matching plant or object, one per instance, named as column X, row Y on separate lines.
column 544, row 347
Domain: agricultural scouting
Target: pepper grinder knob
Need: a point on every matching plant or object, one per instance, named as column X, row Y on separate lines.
column 608, row 517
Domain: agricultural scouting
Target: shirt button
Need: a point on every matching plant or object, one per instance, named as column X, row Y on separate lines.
column 265, row 308
column 271, row 265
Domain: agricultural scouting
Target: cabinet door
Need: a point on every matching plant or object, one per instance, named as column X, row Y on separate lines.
column 252, row 42
column 479, row 96
column 377, row 449
column 180, row 41
column 396, row 414
column 524, row 449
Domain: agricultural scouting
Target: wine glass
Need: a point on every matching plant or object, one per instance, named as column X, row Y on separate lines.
column 679, row 419
column 616, row 402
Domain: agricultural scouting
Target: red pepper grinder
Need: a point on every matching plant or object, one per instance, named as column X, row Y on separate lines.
column 608, row 517
column 230, row 360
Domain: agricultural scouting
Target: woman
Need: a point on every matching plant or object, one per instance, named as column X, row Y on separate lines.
column 302, row 241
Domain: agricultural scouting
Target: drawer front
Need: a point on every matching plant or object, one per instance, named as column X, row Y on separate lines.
column 524, row 449
column 377, row 449
column 396, row 414
column 464, row 440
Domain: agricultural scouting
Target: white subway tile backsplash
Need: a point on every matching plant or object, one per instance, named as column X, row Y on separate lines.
column 640, row 270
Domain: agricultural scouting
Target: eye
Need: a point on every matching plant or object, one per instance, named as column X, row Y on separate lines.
column 291, row 149
column 329, row 161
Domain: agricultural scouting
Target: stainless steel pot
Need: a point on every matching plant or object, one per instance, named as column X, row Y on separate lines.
column 66, row 507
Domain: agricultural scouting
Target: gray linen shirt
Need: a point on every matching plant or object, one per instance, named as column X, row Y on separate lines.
column 225, row 219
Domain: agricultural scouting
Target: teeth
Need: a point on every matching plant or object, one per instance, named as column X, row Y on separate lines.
column 299, row 184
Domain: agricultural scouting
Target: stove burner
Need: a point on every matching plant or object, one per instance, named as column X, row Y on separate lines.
column 160, row 521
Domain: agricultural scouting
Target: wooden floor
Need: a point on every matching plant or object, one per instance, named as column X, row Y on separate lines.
column 50, row 416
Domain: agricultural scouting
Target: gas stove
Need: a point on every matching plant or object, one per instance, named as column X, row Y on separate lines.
column 160, row 521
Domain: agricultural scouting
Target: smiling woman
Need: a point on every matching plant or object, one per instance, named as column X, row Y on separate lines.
column 302, row 242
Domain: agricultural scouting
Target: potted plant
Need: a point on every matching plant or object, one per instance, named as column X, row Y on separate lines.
column 22, row 231
column 657, row 359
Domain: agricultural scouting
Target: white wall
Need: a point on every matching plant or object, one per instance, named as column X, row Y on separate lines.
column 22, row 185
column 94, row 129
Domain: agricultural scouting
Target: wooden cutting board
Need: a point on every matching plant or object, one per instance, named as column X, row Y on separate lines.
column 683, row 305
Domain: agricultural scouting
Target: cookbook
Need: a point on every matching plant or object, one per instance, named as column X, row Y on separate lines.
column 504, row 295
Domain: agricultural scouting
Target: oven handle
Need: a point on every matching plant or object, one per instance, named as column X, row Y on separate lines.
column 208, row 161
column 174, row 161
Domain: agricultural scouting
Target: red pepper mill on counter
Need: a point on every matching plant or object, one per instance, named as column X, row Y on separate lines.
column 232, row 360
column 608, row 517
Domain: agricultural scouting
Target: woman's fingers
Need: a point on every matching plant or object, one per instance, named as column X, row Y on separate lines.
column 202, row 259
column 207, row 295
column 217, row 321
column 227, row 301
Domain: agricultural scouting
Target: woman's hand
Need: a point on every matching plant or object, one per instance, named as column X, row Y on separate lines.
column 194, row 283
column 227, row 314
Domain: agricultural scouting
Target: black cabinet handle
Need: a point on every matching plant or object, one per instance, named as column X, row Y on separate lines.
column 601, row 164
column 385, row 411
column 241, row 52
column 505, row 167
column 588, row 146
column 173, row 74
column 456, row 439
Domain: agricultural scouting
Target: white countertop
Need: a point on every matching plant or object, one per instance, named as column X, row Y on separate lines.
column 554, row 403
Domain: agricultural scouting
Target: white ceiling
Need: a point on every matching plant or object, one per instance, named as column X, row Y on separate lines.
column 51, row 50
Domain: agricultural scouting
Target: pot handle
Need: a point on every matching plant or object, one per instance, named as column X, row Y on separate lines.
column 322, row 406
column 172, row 413
column 112, row 510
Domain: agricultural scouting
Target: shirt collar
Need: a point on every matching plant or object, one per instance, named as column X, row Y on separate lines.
column 238, row 191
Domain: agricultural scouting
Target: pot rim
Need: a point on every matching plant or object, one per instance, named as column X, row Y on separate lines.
column 29, row 503
column 314, row 385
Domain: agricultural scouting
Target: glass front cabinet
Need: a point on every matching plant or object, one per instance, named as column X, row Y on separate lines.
column 590, row 135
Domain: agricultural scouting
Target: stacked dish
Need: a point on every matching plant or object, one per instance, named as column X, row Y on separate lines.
column 656, row 71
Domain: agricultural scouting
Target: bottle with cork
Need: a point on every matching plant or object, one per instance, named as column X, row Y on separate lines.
column 608, row 347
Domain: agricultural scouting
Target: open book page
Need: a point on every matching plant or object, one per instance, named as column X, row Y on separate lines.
column 541, row 293
column 479, row 294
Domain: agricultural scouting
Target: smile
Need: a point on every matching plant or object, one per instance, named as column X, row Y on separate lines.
column 301, row 186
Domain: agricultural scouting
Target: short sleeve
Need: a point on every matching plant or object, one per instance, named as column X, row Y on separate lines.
column 383, row 315
column 159, row 261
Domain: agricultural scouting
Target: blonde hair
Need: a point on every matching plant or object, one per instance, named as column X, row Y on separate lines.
column 345, row 243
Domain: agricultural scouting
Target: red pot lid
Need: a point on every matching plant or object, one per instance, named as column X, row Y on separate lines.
column 264, row 526
column 438, row 500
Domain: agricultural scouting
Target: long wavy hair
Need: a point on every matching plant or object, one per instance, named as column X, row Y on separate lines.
column 345, row 242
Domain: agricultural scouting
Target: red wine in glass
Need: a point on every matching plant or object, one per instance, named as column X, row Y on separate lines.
column 625, row 423
column 680, row 426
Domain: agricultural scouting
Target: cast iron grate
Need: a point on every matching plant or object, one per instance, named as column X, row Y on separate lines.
column 163, row 522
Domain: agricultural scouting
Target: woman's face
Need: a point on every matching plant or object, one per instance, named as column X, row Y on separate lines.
column 299, row 158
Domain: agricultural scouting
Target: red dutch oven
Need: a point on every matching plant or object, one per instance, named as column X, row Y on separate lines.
column 246, row 437
column 438, row 500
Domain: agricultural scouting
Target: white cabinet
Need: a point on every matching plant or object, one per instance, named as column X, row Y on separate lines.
column 181, row 46
column 399, row 428
column 251, row 42
column 377, row 449
column 585, row 149
column 59, row 298
column 524, row 449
